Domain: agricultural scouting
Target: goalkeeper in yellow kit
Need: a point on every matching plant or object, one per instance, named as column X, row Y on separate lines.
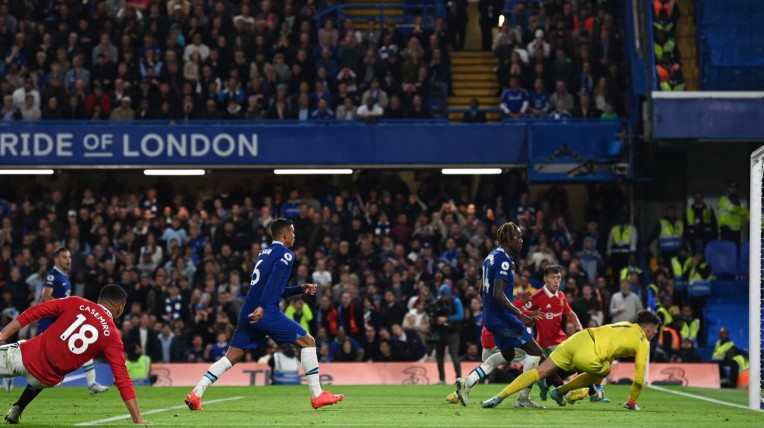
column 591, row 352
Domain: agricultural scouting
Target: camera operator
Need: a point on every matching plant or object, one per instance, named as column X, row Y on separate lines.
column 447, row 312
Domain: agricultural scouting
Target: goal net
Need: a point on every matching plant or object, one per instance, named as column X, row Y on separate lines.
column 756, row 304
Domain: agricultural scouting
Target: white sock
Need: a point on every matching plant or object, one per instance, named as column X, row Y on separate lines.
column 309, row 361
column 529, row 363
column 89, row 368
column 485, row 369
column 213, row 373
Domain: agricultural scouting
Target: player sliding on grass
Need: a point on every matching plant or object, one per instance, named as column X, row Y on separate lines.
column 508, row 325
column 591, row 352
column 260, row 317
column 547, row 306
column 82, row 331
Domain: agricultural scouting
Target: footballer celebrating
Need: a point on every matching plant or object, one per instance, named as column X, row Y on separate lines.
column 82, row 330
column 591, row 352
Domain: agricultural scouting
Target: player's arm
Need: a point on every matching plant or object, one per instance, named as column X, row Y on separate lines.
column 499, row 285
column 116, row 358
column 571, row 316
column 309, row 289
column 50, row 309
column 640, row 366
column 47, row 292
column 573, row 319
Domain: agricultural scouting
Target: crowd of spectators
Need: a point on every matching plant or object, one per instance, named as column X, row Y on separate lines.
column 560, row 59
column 381, row 254
column 181, row 60
column 668, row 60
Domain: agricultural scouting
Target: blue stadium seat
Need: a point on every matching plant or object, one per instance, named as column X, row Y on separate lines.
column 722, row 256
column 745, row 252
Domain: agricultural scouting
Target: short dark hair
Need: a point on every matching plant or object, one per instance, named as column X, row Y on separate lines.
column 553, row 269
column 112, row 293
column 279, row 225
column 648, row 317
column 59, row 251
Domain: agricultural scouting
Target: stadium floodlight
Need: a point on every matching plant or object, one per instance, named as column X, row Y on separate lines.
column 26, row 172
column 310, row 171
column 471, row 171
column 755, row 304
column 173, row 172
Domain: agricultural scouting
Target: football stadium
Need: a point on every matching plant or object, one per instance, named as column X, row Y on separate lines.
column 374, row 213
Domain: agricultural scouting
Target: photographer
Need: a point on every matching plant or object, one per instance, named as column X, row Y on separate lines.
column 447, row 312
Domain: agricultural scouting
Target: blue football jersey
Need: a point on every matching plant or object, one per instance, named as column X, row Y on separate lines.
column 61, row 286
column 59, row 282
column 497, row 265
column 269, row 278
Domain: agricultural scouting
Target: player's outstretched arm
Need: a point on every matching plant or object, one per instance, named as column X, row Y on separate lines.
column 52, row 308
column 135, row 413
column 9, row 330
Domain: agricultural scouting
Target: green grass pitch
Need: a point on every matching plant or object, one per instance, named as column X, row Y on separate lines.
column 382, row 406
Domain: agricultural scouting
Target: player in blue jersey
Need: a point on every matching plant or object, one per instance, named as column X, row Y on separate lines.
column 58, row 286
column 261, row 317
column 510, row 327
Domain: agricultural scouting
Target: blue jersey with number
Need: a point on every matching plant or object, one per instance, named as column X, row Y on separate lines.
column 272, row 270
column 497, row 265
column 62, row 287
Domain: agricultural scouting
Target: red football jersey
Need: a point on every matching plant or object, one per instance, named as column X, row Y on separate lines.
column 82, row 331
column 553, row 306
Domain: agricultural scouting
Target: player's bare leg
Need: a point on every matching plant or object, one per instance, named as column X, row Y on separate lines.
column 309, row 361
column 523, row 381
column 194, row 398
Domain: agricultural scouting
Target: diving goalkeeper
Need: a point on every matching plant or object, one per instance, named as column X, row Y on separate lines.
column 591, row 352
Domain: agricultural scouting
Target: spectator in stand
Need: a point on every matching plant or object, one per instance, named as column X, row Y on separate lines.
column 700, row 225
column 625, row 304
column 585, row 109
column 561, row 93
column 418, row 110
column 474, row 115
column 370, row 110
column 560, row 112
column 733, row 215
column 514, row 100
column 539, row 105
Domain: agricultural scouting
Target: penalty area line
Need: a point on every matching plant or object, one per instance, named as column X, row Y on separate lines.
column 700, row 397
column 151, row 412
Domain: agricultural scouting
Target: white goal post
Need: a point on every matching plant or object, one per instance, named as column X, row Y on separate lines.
column 755, row 284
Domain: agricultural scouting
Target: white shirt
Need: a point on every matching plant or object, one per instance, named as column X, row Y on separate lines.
column 364, row 111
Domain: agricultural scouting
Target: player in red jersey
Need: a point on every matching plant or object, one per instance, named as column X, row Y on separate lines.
column 82, row 331
column 548, row 305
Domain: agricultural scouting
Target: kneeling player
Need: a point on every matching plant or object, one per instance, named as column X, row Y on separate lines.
column 591, row 352
column 82, row 331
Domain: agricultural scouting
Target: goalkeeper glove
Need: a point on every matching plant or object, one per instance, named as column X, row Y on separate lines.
column 631, row 405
